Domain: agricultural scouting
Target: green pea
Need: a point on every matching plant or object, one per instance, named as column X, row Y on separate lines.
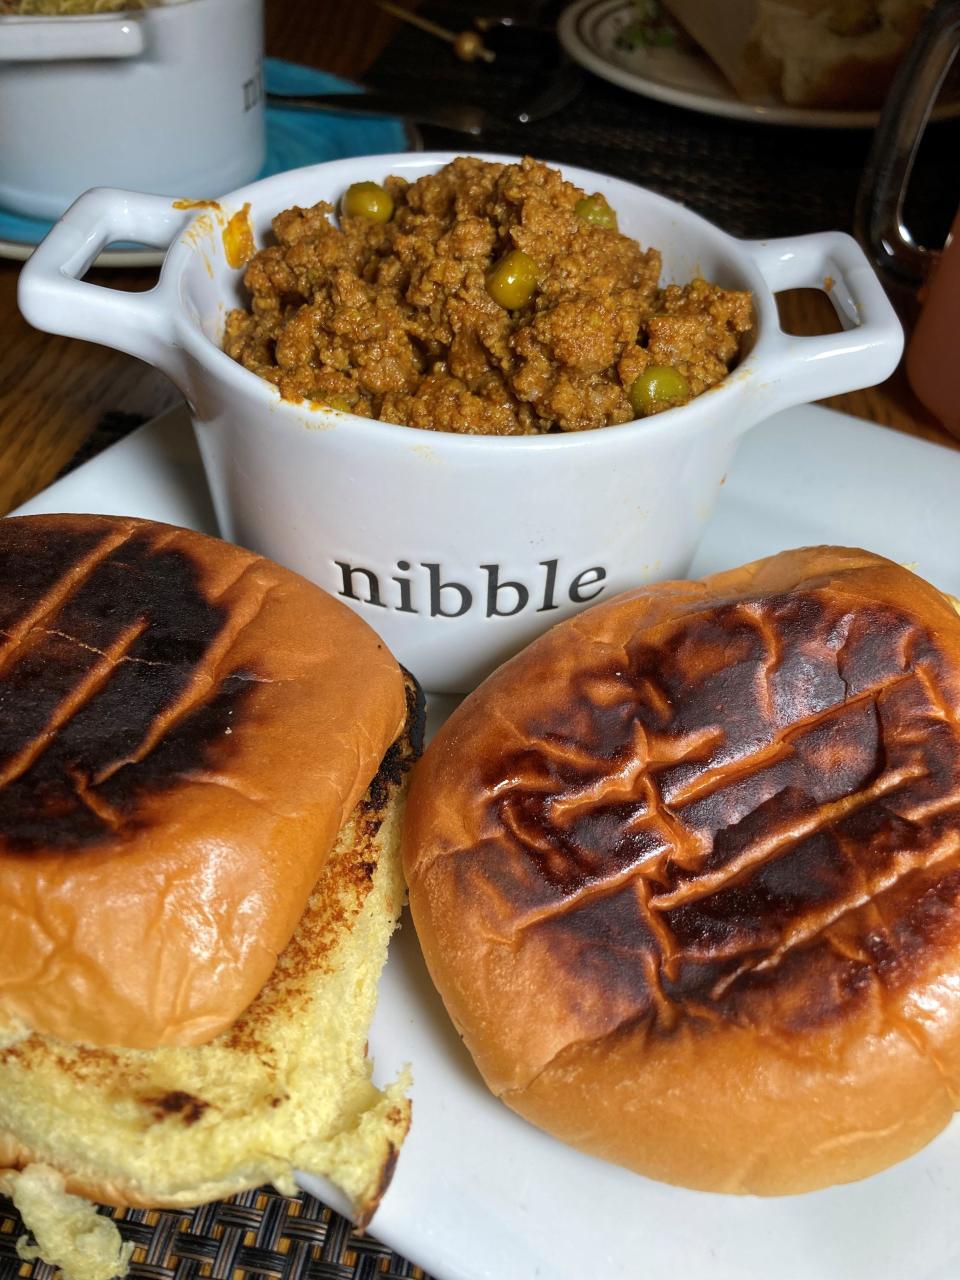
column 659, row 387
column 595, row 210
column 513, row 281
column 368, row 200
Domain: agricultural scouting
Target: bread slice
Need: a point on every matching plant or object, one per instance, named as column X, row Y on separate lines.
column 288, row 1087
column 840, row 54
column 807, row 53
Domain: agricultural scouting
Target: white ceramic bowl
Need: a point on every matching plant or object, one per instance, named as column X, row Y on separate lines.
column 167, row 99
column 457, row 549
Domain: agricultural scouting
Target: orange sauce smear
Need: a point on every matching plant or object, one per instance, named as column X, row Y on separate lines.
column 238, row 238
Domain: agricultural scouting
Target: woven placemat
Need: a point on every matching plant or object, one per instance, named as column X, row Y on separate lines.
column 260, row 1235
column 257, row 1234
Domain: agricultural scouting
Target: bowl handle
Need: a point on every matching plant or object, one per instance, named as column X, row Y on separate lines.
column 46, row 39
column 53, row 297
column 869, row 348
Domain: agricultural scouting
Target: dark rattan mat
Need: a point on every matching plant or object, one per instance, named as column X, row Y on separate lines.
column 259, row 1235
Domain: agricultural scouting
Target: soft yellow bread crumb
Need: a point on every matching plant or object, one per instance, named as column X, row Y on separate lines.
column 69, row 1232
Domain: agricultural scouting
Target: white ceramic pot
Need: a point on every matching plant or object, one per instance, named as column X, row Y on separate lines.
column 168, row 99
column 457, row 549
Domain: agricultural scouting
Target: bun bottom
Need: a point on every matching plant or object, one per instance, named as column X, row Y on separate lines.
column 287, row 1088
column 739, row 1136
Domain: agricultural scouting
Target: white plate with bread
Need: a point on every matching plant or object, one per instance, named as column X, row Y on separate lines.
column 478, row 1192
column 769, row 61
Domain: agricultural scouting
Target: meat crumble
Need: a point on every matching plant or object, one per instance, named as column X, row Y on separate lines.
column 492, row 299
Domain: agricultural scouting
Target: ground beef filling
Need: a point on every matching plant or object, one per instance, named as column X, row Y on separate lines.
column 394, row 320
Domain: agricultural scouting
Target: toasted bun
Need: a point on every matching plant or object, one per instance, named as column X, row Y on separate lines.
column 686, row 873
column 837, row 54
column 184, row 728
column 818, row 62
column 287, row 1087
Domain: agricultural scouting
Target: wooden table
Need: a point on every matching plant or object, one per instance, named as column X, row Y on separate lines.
column 53, row 391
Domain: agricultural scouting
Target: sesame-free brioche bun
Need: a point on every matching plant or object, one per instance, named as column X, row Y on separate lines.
column 184, row 729
column 203, row 769
column 686, row 873
column 286, row 1087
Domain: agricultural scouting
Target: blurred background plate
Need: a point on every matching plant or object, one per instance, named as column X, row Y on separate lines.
column 294, row 139
column 592, row 32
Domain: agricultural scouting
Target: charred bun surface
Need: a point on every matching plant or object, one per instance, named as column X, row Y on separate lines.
column 184, row 727
column 686, row 873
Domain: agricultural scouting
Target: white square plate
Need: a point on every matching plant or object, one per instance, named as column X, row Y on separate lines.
column 481, row 1195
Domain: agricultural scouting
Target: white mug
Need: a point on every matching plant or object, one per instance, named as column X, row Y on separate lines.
column 458, row 549
column 168, row 99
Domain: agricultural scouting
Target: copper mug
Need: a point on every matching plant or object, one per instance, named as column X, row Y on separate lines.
column 933, row 353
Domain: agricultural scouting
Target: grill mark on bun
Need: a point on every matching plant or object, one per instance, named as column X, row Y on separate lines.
column 805, row 936
column 205, row 678
column 36, row 575
column 711, row 804
column 100, row 657
column 806, row 822
column 82, row 693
